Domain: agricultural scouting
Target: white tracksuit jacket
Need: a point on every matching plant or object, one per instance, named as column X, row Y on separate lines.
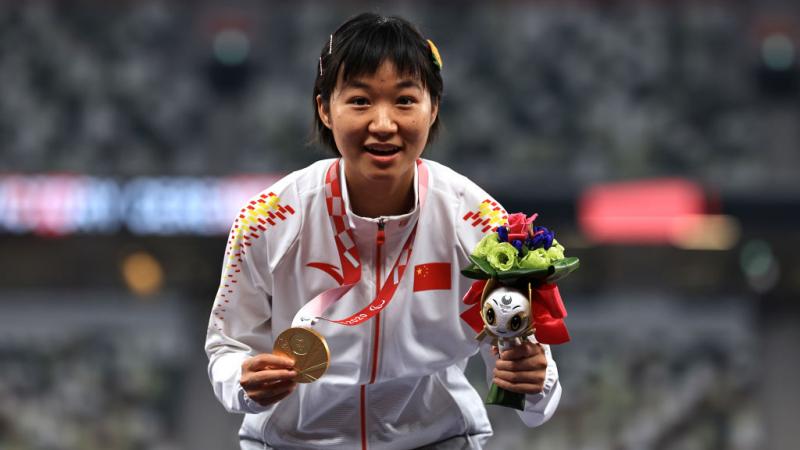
column 418, row 394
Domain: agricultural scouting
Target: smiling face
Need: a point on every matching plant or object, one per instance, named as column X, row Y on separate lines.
column 506, row 312
column 380, row 123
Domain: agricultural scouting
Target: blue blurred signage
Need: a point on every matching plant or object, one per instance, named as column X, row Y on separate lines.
column 57, row 205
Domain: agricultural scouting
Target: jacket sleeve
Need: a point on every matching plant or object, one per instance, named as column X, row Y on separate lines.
column 240, row 325
column 477, row 214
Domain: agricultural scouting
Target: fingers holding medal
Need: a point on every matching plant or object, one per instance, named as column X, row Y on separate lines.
column 268, row 378
column 300, row 355
column 309, row 351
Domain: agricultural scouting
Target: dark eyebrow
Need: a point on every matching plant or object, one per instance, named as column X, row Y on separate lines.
column 357, row 84
column 409, row 83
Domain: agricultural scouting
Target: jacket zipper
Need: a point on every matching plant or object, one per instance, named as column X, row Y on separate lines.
column 379, row 240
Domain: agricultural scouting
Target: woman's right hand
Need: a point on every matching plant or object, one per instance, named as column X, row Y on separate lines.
column 268, row 378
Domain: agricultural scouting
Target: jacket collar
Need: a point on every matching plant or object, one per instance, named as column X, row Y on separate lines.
column 392, row 223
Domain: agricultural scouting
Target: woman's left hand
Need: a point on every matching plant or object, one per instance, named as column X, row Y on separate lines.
column 521, row 369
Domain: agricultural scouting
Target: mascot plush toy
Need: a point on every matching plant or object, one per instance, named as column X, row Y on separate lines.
column 506, row 313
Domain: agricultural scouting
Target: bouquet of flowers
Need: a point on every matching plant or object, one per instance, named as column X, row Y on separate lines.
column 516, row 266
column 520, row 250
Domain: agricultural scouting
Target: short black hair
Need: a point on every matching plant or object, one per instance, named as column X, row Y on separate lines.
column 359, row 46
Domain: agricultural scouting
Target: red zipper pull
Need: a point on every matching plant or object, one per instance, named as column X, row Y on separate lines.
column 381, row 235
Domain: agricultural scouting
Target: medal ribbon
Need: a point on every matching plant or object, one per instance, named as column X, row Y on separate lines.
column 349, row 260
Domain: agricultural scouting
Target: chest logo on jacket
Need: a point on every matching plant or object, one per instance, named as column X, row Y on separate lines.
column 330, row 269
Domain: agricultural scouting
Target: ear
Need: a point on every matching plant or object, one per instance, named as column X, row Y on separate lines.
column 323, row 111
column 434, row 112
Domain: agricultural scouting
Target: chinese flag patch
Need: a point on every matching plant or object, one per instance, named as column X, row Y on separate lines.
column 432, row 276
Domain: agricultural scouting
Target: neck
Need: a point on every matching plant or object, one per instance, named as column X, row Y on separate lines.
column 376, row 198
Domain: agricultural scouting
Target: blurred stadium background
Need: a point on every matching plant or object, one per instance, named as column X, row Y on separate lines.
column 659, row 139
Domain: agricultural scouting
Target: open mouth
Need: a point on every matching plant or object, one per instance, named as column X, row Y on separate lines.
column 382, row 150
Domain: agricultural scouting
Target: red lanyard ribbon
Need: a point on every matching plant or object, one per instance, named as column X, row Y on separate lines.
column 349, row 260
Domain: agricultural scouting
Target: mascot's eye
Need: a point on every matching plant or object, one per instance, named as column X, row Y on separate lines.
column 490, row 316
column 516, row 322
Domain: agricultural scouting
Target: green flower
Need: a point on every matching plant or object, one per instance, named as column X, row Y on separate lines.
column 555, row 252
column 487, row 243
column 502, row 256
column 535, row 259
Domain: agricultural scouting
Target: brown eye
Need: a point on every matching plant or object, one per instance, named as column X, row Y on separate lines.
column 406, row 101
column 490, row 316
column 359, row 101
column 516, row 322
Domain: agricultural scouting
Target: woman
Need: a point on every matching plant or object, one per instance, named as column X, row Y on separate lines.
column 388, row 233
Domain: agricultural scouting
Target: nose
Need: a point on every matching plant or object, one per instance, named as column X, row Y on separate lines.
column 382, row 122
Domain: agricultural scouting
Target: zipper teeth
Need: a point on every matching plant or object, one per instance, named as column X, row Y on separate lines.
column 380, row 238
column 378, row 266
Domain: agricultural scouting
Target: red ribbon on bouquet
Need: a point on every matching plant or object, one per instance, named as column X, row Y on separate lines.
column 546, row 306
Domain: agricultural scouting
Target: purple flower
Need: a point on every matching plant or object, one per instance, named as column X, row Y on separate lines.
column 502, row 233
column 542, row 237
column 518, row 245
column 529, row 243
column 548, row 240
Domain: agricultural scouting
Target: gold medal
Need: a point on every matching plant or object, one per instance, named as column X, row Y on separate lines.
column 309, row 351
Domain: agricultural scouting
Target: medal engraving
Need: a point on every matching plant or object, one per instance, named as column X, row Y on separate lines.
column 308, row 349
